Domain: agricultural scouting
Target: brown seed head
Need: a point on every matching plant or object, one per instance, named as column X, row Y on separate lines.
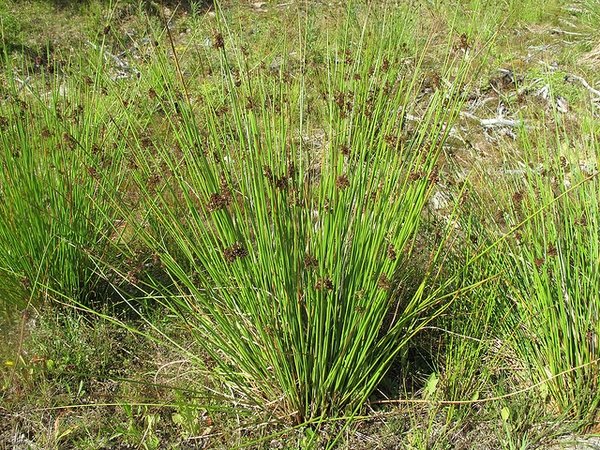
column 153, row 181
column 92, row 172
column 435, row 80
column 391, row 252
column 464, row 197
column 25, row 283
column 342, row 182
column 434, row 176
column 69, row 140
column 268, row 173
column 348, row 60
column 418, row 175
column 133, row 276
column 391, row 140
column 156, row 261
column 234, row 252
column 463, row 42
column 217, row 201
column 384, row 282
column 281, row 183
column 539, row 262
column 340, row 100
column 291, row 170
column 324, row 284
column 563, row 162
column 517, row 197
column 218, row 41
column 385, row 65
column 310, row 261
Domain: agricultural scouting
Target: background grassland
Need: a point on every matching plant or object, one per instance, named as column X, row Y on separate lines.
column 299, row 224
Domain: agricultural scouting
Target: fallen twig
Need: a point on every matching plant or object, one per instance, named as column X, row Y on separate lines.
column 24, row 83
column 585, row 84
column 494, row 122
column 565, row 32
column 125, row 69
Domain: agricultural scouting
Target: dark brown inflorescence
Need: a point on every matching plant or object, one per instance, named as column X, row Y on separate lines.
column 517, row 197
column 222, row 199
column 236, row 251
column 310, row 261
column 418, row 175
column 279, row 182
column 324, row 284
column 219, row 41
column 384, row 282
column 539, row 262
column 217, row 201
column 342, row 182
column 391, row 252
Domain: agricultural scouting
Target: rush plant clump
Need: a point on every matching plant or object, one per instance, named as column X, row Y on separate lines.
column 290, row 260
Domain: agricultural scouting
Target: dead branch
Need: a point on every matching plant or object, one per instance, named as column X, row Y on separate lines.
column 494, row 122
column 584, row 83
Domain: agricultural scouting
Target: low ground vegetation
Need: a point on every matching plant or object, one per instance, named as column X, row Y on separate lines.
column 299, row 224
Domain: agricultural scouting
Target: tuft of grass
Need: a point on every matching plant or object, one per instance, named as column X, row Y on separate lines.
column 286, row 188
column 548, row 265
column 56, row 164
column 292, row 262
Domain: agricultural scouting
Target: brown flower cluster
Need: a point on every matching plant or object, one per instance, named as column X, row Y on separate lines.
column 434, row 176
column 324, row 284
column 218, row 41
column 385, row 65
column 342, row 182
column 391, row 253
column 384, row 282
column 282, row 181
column 463, row 43
column 418, row 175
column 153, row 182
column 539, row 262
column 217, row 201
column 93, row 172
column 310, row 261
column 236, row 251
column 344, row 102
column 69, row 140
column 551, row 252
column 517, row 197
column 220, row 200
column 391, row 140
